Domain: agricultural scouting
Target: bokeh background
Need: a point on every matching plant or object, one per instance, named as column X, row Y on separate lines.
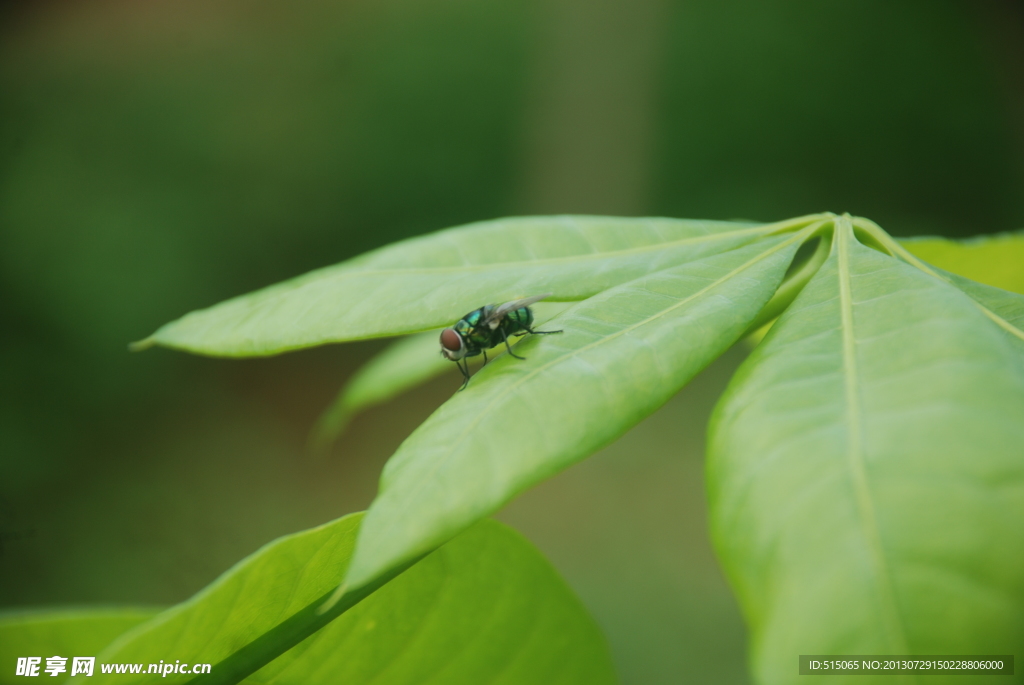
column 158, row 157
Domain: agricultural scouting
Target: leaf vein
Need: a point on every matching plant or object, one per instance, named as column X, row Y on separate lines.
column 855, row 449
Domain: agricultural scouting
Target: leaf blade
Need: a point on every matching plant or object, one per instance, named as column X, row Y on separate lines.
column 828, row 550
column 428, row 282
column 288, row 579
column 1006, row 308
column 1002, row 307
column 458, row 628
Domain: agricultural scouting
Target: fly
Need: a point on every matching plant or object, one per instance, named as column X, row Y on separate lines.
column 488, row 327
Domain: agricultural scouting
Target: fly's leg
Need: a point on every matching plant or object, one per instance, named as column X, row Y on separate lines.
column 485, row 357
column 508, row 347
column 530, row 330
column 465, row 372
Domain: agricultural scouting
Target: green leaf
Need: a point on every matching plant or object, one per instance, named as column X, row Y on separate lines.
column 484, row 608
column 427, row 282
column 62, row 632
column 996, row 260
column 865, row 475
column 403, row 365
column 254, row 612
column 623, row 354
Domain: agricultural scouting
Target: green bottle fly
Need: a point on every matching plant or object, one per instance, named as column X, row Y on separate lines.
column 487, row 327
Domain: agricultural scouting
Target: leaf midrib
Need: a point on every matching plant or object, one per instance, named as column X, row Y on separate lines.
column 854, row 448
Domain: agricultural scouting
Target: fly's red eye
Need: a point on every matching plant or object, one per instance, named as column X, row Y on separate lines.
column 450, row 340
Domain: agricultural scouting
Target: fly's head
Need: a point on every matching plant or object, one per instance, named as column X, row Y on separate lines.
column 453, row 347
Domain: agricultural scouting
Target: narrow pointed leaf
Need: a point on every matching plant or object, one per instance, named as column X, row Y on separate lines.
column 426, row 282
column 622, row 354
column 62, row 632
column 483, row 608
column 865, row 474
column 996, row 260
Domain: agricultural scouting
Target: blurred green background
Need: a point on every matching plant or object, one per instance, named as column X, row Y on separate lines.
column 159, row 157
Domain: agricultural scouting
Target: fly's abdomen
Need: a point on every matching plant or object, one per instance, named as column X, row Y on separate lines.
column 518, row 320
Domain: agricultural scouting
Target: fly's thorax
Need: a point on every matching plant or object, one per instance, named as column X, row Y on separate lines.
column 473, row 319
column 474, row 334
column 463, row 326
column 474, row 338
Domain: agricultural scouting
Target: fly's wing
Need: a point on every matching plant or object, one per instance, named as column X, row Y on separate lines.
column 499, row 312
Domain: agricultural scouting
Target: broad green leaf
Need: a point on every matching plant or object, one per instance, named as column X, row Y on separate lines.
column 865, row 474
column 426, row 282
column 280, row 583
column 61, row 632
column 996, row 260
column 622, row 354
column 403, row 365
column 484, row 608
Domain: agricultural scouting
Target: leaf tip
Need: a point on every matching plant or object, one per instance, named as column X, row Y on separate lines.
column 141, row 345
column 327, row 430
